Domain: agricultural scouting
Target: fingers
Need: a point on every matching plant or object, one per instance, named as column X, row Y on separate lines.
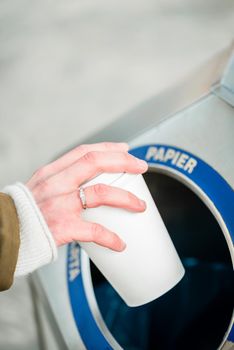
column 72, row 156
column 94, row 163
column 80, row 151
column 63, row 217
column 92, row 232
column 88, row 166
column 101, row 194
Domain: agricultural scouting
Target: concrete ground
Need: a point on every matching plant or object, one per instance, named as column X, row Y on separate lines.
column 69, row 68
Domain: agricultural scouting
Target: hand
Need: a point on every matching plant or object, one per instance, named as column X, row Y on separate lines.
column 55, row 185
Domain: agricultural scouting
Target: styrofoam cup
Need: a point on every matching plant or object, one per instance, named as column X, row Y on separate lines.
column 150, row 265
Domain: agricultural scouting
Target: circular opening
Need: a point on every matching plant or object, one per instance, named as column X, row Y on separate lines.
column 197, row 312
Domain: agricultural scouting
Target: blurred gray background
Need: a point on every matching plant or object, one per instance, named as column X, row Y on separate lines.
column 67, row 68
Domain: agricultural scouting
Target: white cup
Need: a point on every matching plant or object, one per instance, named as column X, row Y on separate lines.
column 149, row 266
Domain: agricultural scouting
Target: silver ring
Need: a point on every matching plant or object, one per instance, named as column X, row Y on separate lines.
column 82, row 197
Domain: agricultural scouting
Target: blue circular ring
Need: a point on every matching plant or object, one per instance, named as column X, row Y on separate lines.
column 209, row 181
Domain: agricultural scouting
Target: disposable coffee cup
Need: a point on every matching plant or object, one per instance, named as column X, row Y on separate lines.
column 149, row 266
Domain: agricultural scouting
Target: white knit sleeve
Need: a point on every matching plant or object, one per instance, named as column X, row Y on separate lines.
column 37, row 246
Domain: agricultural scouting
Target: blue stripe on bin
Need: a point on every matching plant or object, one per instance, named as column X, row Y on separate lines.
column 210, row 182
column 85, row 322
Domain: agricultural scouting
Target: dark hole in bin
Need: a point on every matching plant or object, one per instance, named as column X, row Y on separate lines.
column 196, row 313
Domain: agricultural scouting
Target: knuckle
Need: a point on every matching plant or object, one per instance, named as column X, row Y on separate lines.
column 100, row 190
column 90, row 157
column 40, row 173
column 107, row 145
column 82, row 148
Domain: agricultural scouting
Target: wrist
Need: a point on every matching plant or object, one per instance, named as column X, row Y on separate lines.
column 37, row 246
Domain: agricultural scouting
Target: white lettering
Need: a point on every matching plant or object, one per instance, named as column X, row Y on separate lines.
column 151, row 153
column 174, row 160
column 160, row 154
column 74, row 261
column 181, row 161
column 169, row 154
column 73, row 274
column 190, row 165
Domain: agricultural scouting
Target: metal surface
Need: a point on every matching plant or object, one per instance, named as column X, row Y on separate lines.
column 225, row 89
column 53, row 306
column 149, row 114
column 190, row 120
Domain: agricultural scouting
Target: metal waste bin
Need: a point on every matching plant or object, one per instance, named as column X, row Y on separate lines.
column 187, row 137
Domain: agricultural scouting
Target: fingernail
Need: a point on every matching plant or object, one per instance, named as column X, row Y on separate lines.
column 123, row 245
column 142, row 203
column 124, row 145
column 142, row 164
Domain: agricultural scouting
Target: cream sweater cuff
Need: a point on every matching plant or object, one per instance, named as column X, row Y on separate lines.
column 37, row 246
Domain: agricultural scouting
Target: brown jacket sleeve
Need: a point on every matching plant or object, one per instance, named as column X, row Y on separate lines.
column 9, row 241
